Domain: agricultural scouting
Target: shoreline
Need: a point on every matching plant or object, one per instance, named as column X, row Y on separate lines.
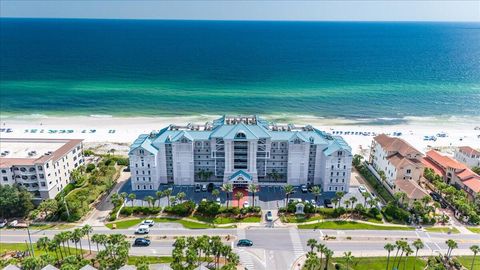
column 460, row 131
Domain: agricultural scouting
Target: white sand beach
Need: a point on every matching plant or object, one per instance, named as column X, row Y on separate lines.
column 117, row 133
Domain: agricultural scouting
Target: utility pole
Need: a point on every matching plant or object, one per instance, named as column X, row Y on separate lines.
column 30, row 240
column 66, row 207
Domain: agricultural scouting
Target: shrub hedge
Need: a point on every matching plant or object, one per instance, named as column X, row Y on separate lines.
column 128, row 210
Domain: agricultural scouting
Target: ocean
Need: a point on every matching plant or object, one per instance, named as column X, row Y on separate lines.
column 373, row 70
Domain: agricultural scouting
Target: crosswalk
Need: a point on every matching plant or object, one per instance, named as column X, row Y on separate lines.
column 245, row 257
column 296, row 242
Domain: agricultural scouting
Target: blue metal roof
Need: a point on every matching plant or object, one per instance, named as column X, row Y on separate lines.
column 242, row 173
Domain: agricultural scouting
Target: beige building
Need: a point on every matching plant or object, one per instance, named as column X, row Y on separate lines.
column 401, row 164
column 42, row 166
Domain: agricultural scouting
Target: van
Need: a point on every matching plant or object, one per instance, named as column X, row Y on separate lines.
column 142, row 229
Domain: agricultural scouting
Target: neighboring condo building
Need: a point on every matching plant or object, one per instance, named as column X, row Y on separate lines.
column 453, row 172
column 400, row 163
column 42, row 166
column 468, row 156
column 240, row 150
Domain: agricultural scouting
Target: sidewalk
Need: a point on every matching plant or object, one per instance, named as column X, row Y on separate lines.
column 99, row 214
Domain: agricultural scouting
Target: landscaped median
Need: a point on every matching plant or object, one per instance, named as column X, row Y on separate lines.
column 185, row 222
column 349, row 225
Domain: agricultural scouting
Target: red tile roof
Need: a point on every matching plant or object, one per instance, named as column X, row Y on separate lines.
column 429, row 164
column 468, row 150
column 410, row 188
column 473, row 184
column 445, row 161
column 396, row 145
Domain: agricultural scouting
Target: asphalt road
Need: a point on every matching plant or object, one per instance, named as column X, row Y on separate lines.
column 278, row 248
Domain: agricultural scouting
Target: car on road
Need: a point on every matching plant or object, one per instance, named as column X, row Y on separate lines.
column 3, row 223
column 246, row 204
column 304, row 188
column 204, row 188
column 362, row 189
column 142, row 229
column 141, row 242
column 328, row 203
column 244, row 243
column 269, row 216
column 435, row 196
column 148, row 222
column 198, row 188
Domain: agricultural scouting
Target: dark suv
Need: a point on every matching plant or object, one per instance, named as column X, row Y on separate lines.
column 141, row 242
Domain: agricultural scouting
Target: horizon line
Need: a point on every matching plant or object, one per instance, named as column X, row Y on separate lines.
column 242, row 20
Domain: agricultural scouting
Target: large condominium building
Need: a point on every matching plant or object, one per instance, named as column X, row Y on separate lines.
column 468, row 156
column 453, row 172
column 240, row 150
column 42, row 166
column 400, row 163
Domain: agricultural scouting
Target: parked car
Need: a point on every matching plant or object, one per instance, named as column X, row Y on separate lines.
column 148, row 222
column 142, row 229
column 435, row 196
column 328, row 203
column 3, row 223
column 141, row 242
column 246, row 204
column 269, row 216
column 304, row 188
column 218, row 200
column 244, row 243
column 13, row 223
column 312, row 201
column 210, row 187
column 362, row 189
column 204, row 188
column 198, row 188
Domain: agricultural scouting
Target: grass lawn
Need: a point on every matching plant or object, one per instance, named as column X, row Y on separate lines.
column 467, row 261
column 350, row 225
column 225, row 220
column 134, row 260
column 300, row 219
column 379, row 263
column 9, row 247
column 474, row 229
column 442, row 229
column 125, row 224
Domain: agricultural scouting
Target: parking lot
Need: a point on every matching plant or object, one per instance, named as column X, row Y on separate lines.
column 268, row 197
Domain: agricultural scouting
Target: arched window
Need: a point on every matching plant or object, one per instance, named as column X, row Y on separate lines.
column 240, row 135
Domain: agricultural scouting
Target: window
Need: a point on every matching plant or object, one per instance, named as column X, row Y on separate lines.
column 42, row 184
column 5, row 178
column 409, row 171
column 4, row 171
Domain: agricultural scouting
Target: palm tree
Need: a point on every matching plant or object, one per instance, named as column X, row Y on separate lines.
column 475, row 249
column 76, row 238
column 288, row 189
column 159, row 195
column 366, row 197
column 400, row 198
column 417, row 244
column 167, row 193
column 347, row 256
column 87, row 230
column 132, row 197
column 253, row 188
column 227, row 188
column 408, row 252
column 53, row 246
column 339, row 195
column 389, row 248
column 180, row 196
column 398, row 244
column 312, row 243
column 353, row 200
column 321, row 248
column 404, row 247
column 316, row 191
column 328, row 256
column 238, row 197
column 215, row 193
column 58, row 240
column 150, row 200
column 451, row 246
column 426, row 200
column 42, row 243
column 67, row 237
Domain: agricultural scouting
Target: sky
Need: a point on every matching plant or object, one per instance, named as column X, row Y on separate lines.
column 324, row 10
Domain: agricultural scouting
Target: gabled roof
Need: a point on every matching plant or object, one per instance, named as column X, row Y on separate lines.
column 241, row 173
column 49, row 267
column 144, row 141
column 393, row 144
column 410, row 188
column 399, row 161
column 473, row 184
column 335, row 144
column 468, row 150
column 445, row 161
column 88, row 267
column 11, row 267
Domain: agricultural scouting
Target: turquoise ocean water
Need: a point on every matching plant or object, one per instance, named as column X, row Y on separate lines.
column 384, row 71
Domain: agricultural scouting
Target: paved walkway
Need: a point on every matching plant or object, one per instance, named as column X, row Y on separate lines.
column 99, row 214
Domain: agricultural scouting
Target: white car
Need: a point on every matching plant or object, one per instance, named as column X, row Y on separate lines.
column 246, row 204
column 312, row 201
column 3, row 223
column 148, row 222
column 218, row 200
column 13, row 223
column 142, row 229
column 362, row 189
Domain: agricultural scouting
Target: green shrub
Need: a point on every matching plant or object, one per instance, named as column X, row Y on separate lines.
column 393, row 212
column 128, row 210
column 90, row 167
column 182, row 209
column 208, row 208
column 123, row 161
column 339, row 211
column 88, row 152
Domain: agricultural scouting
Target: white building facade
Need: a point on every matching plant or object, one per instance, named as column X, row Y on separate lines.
column 42, row 166
column 468, row 156
column 240, row 150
